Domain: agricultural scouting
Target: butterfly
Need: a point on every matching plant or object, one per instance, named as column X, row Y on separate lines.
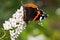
column 33, row 13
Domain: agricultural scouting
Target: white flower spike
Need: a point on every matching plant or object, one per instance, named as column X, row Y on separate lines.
column 15, row 22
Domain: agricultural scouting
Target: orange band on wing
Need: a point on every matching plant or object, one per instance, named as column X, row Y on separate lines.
column 38, row 13
column 31, row 5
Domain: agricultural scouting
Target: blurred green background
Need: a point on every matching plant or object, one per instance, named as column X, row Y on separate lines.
column 51, row 25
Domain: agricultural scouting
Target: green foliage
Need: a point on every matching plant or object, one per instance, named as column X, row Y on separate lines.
column 8, row 7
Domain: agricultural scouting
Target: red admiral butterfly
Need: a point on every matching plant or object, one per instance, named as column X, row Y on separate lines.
column 33, row 13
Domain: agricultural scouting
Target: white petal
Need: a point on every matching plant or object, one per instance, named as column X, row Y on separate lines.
column 7, row 25
column 16, row 15
column 12, row 32
column 21, row 8
column 22, row 22
column 12, row 38
column 18, row 10
column 19, row 20
column 13, row 22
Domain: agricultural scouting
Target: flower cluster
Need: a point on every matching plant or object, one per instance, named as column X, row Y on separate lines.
column 15, row 22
